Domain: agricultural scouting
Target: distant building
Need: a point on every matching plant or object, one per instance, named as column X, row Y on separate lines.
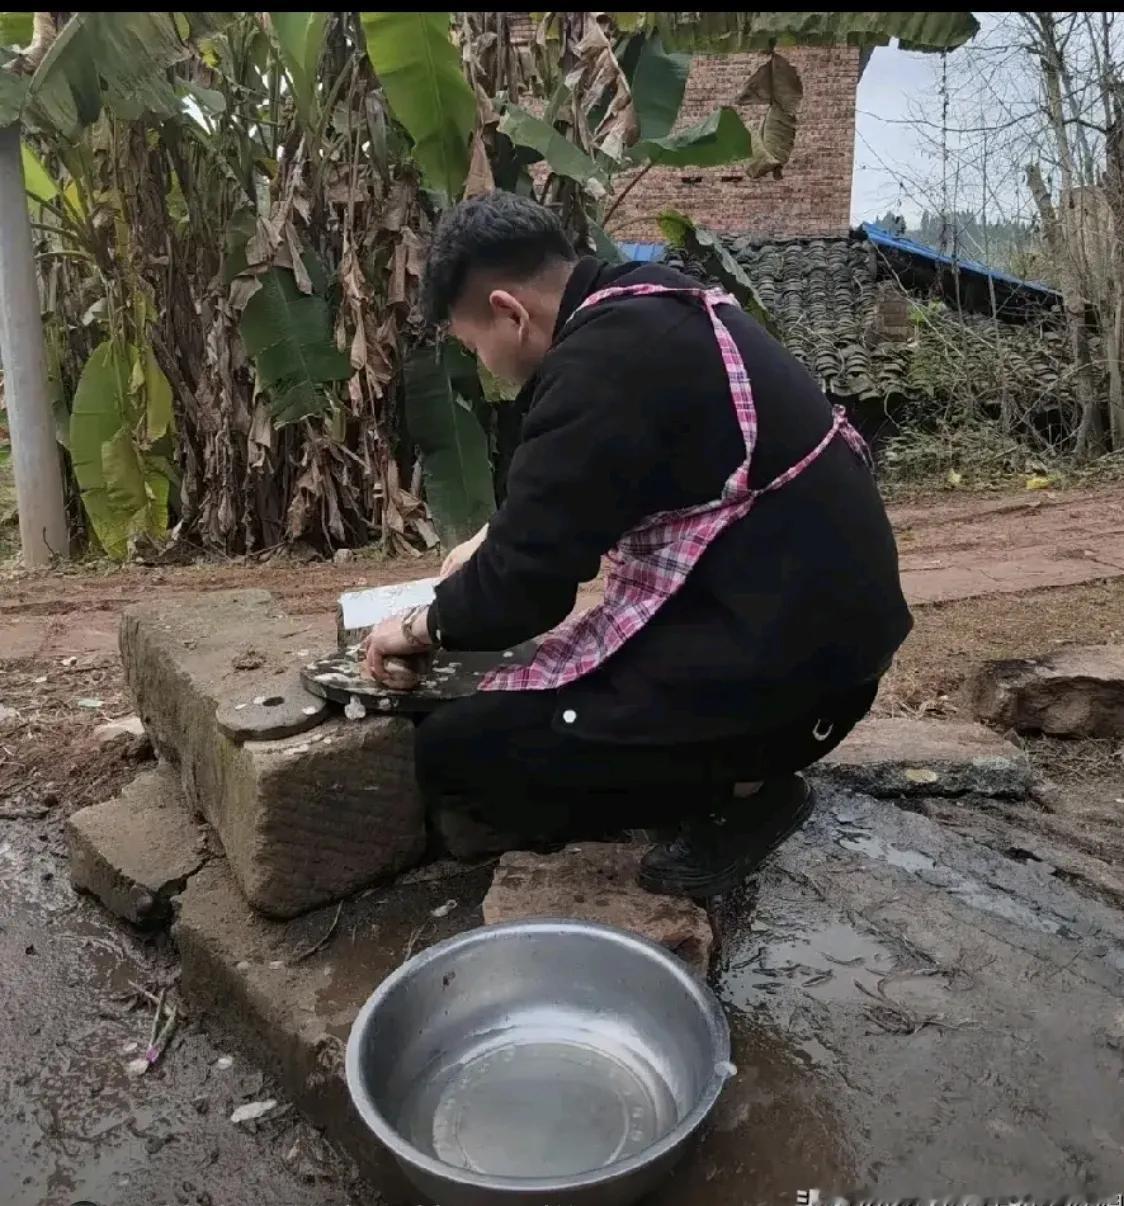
column 812, row 197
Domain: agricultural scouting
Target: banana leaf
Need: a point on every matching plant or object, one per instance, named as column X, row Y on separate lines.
column 120, row 59
column 454, row 450
column 658, row 79
column 562, row 156
column 288, row 334
column 300, row 39
column 420, row 72
column 123, row 493
column 16, row 28
column 726, row 33
column 718, row 139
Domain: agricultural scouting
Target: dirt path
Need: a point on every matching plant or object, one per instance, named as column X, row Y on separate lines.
column 951, row 548
column 962, row 548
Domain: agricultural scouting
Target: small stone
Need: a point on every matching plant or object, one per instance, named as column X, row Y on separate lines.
column 251, row 1111
column 7, row 715
column 921, row 774
column 127, row 726
column 225, row 1061
column 248, row 659
column 343, row 556
column 92, row 704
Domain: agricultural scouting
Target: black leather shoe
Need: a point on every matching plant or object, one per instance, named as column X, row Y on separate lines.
column 714, row 854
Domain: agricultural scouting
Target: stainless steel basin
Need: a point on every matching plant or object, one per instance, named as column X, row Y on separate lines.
column 554, row 1063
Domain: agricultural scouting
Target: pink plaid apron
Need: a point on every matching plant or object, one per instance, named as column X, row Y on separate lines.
column 652, row 561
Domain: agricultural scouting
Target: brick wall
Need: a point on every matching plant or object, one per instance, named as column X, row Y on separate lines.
column 813, row 196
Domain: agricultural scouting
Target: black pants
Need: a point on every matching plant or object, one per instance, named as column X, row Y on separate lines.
column 496, row 758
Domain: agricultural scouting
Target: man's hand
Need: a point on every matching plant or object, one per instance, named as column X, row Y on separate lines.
column 462, row 553
column 388, row 653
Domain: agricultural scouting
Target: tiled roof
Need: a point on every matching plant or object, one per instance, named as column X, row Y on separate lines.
column 824, row 296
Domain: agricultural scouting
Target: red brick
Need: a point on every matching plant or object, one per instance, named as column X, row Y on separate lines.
column 813, row 196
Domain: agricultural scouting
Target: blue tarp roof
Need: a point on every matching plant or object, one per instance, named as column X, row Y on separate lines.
column 892, row 242
column 645, row 253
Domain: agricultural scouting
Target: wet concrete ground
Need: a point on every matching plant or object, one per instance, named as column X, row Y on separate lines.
column 74, row 1126
column 914, row 1014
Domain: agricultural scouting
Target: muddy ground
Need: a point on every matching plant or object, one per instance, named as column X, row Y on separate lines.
column 74, row 1127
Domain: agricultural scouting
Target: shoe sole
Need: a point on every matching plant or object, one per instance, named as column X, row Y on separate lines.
column 733, row 876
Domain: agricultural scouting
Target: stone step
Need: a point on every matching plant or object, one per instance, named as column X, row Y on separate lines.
column 136, row 851
column 304, row 818
column 1075, row 692
column 597, row 881
column 902, row 756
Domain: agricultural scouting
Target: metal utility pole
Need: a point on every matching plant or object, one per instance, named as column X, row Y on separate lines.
column 35, row 458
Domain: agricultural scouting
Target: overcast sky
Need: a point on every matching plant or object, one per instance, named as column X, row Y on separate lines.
column 891, row 157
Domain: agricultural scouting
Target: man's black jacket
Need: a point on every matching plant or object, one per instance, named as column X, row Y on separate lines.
column 629, row 414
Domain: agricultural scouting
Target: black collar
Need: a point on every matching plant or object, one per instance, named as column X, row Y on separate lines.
column 583, row 281
column 581, row 284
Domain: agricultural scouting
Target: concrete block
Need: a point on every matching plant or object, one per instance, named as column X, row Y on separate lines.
column 597, row 881
column 898, row 756
column 136, row 851
column 303, row 819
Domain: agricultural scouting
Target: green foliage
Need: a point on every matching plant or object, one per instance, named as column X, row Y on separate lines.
column 718, row 139
column 729, row 33
column 37, row 180
column 124, row 491
column 706, row 249
column 561, row 155
column 300, row 39
column 658, row 80
column 16, row 28
column 289, row 336
column 453, row 447
column 118, row 59
column 420, row 72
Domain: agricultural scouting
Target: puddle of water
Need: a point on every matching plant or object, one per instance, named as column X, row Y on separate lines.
column 825, row 961
column 775, row 1130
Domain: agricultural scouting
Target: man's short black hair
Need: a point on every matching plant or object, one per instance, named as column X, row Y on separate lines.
column 498, row 232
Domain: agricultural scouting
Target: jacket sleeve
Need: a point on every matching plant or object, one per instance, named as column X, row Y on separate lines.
column 591, row 464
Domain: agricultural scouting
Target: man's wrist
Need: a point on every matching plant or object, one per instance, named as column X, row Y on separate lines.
column 415, row 628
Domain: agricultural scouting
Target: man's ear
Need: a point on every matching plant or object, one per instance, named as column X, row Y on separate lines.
column 506, row 306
